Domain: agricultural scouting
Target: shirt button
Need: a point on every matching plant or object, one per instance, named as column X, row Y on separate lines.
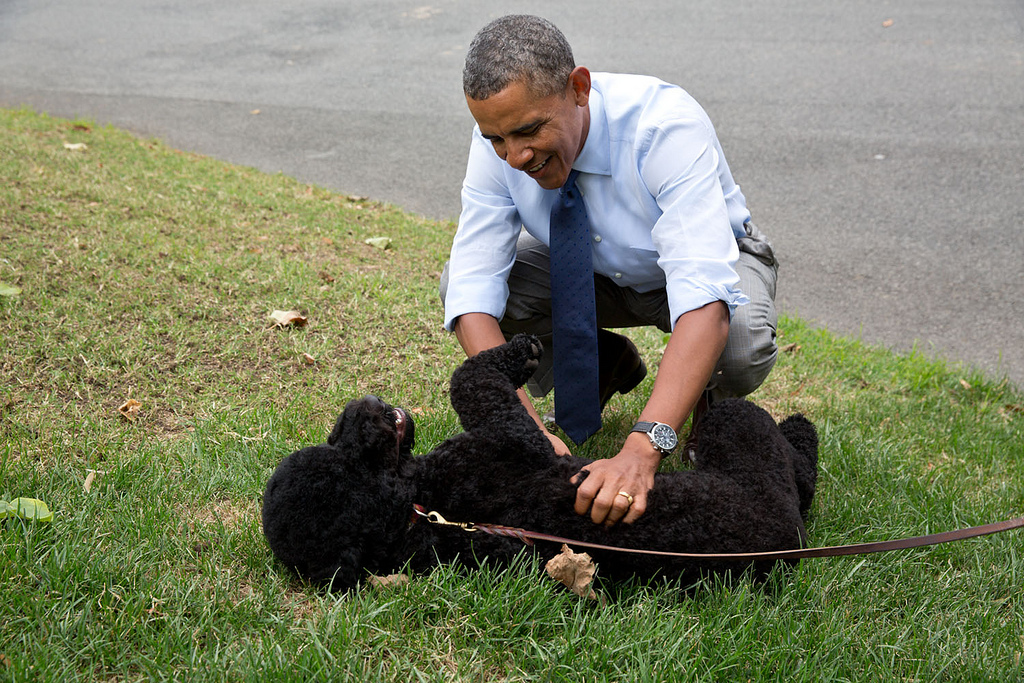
column 597, row 238
column 618, row 276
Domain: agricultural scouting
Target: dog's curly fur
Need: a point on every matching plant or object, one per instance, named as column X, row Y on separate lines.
column 340, row 510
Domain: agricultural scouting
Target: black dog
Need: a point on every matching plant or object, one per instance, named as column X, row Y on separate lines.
column 340, row 510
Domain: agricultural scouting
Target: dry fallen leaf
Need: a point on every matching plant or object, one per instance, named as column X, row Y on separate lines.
column 130, row 409
column 965, row 384
column 575, row 570
column 887, row 23
column 389, row 581
column 90, row 479
column 308, row 359
column 789, row 348
column 286, row 318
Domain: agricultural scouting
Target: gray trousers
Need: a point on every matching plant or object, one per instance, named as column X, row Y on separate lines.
column 749, row 353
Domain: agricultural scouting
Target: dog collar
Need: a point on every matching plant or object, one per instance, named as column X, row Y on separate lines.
column 417, row 512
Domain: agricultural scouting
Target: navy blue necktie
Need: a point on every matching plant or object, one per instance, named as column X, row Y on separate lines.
column 574, row 316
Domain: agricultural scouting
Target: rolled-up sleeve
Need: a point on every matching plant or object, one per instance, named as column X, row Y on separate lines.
column 484, row 247
column 693, row 237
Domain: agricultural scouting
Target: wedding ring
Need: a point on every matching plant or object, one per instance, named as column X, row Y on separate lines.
column 628, row 497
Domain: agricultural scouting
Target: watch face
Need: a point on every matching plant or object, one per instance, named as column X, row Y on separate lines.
column 664, row 437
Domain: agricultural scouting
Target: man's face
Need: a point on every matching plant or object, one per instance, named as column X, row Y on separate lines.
column 541, row 136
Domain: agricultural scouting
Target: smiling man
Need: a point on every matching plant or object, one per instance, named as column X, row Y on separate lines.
column 618, row 181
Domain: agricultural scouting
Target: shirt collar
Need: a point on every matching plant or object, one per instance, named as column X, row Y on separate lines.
column 596, row 156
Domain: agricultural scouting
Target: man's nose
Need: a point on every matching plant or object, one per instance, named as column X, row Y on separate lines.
column 517, row 155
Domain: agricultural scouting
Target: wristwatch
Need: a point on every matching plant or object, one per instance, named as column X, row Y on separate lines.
column 662, row 436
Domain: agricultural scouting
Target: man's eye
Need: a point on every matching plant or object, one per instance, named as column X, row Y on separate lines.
column 531, row 131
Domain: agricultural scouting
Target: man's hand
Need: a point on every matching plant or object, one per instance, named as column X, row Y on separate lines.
column 631, row 471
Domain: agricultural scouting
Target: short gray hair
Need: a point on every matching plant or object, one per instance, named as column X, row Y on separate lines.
column 513, row 48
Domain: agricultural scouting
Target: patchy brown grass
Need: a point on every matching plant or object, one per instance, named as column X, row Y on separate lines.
column 148, row 274
column 156, row 286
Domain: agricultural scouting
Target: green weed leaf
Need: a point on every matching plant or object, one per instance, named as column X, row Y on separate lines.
column 26, row 508
column 379, row 242
column 9, row 290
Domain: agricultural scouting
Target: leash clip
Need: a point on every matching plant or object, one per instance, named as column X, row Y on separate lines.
column 436, row 518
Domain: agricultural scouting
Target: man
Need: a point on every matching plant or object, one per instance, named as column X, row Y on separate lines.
column 670, row 243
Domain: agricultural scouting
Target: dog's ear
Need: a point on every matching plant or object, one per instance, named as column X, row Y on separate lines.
column 366, row 431
column 335, row 436
column 347, row 423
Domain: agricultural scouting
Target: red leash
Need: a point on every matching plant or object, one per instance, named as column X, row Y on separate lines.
column 528, row 537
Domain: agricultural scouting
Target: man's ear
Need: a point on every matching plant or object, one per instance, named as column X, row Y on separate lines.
column 579, row 85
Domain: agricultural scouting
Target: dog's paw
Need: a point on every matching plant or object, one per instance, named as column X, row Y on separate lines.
column 516, row 359
column 526, row 352
column 528, row 347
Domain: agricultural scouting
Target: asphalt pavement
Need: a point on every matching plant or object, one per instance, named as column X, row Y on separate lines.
column 879, row 144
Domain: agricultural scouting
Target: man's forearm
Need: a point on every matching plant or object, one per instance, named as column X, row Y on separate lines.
column 477, row 332
column 689, row 359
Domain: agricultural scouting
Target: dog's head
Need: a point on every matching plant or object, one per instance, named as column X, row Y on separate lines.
column 334, row 510
column 373, row 431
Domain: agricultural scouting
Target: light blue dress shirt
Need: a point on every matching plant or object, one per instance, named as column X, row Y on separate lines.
column 663, row 206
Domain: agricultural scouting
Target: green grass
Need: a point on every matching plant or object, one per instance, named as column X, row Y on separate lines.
column 148, row 274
